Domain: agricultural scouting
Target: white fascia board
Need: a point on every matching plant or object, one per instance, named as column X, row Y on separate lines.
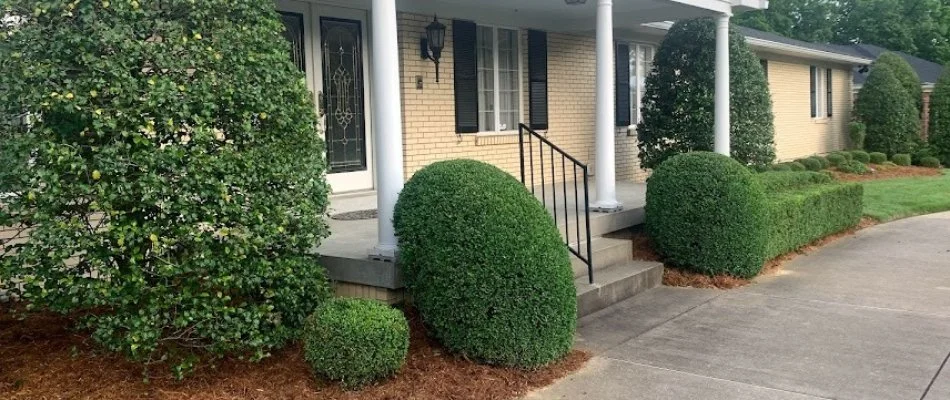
column 749, row 5
column 719, row 6
column 786, row 49
column 798, row 51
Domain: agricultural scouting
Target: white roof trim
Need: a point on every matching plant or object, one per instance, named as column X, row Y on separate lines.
column 787, row 49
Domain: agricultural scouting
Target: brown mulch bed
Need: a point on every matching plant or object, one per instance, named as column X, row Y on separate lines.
column 643, row 250
column 42, row 359
column 886, row 172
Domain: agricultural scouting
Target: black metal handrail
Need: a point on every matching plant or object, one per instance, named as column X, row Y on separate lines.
column 581, row 248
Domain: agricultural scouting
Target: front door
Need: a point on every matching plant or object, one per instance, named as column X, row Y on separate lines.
column 337, row 76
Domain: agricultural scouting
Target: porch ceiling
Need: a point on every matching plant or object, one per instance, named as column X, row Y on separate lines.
column 558, row 16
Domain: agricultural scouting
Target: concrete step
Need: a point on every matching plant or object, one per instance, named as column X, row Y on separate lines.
column 607, row 252
column 615, row 284
column 602, row 223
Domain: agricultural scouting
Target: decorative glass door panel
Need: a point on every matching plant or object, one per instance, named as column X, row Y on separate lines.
column 294, row 33
column 343, row 98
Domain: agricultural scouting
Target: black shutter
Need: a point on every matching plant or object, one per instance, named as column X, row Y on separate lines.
column 814, row 91
column 829, row 91
column 466, row 76
column 765, row 68
column 538, row 79
column 622, row 87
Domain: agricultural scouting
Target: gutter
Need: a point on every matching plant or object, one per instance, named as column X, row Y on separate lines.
column 787, row 49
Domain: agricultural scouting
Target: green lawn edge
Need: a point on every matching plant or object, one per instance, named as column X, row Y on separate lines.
column 893, row 199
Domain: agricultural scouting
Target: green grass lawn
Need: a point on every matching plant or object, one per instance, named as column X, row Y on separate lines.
column 891, row 199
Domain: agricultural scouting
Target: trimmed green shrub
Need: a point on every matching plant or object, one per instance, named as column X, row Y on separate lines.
column 760, row 168
column 889, row 164
column 678, row 101
column 861, row 156
column 921, row 151
column 854, row 167
column 705, row 212
column 939, row 135
column 901, row 159
column 356, row 341
column 485, row 265
column 877, row 158
column 780, row 167
column 836, row 159
column 779, row 181
column 930, row 162
column 857, row 132
column 830, row 175
column 796, row 166
column 906, row 74
column 187, row 126
column 825, row 163
column 888, row 111
column 811, row 164
column 800, row 216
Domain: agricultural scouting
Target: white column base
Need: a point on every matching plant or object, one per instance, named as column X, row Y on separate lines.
column 606, row 207
column 385, row 253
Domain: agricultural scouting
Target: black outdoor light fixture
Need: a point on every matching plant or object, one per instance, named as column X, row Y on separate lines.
column 433, row 43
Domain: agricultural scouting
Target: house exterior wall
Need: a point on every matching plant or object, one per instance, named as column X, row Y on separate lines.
column 429, row 113
column 797, row 134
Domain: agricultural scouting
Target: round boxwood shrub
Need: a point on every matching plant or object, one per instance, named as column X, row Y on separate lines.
column 902, row 159
column 857, row 132
column 930, row 162
column 877, row 158
column 485, row 265
column 187, row 127
column 356, row 341
column 780, row 167
column 706, row 213
column 796, row 166
column 810, row 164
column 836, row 159
column 860, row 156
column 678, row 99
column 854, row 167
column 825, row 163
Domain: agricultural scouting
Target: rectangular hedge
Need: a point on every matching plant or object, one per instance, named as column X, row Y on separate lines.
column 801, row 215
column 776, row 181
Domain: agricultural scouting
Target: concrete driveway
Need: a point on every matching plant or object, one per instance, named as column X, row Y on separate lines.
column 866, row 317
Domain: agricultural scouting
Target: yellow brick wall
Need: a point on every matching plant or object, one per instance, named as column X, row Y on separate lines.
column 797, row 134
column 429, row 114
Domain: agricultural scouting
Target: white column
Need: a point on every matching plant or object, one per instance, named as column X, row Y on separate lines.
column 606, row 189
column 387, row 121
column 721, row 126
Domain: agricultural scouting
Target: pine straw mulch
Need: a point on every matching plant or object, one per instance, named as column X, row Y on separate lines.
column 672, row 276
column 40, row 358
column 887, row 172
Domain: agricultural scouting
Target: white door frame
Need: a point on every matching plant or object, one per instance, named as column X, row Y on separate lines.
column 312, row 12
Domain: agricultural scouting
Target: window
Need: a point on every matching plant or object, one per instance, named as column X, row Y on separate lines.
column 820, row 92
column 499, row 79
column 641, row 63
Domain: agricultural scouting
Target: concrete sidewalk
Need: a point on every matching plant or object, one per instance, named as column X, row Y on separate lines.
column 866, row 317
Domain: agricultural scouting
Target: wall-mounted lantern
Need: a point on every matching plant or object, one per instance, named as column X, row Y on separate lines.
column 433, row 43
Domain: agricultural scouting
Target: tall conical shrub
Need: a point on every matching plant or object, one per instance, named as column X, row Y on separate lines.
column 888, row 112
column 939, row 135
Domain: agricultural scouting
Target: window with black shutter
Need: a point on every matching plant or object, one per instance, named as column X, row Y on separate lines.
column 814, row 91
column 622, row 88
column 828, row 88
column 466, row 76
column 538, row 79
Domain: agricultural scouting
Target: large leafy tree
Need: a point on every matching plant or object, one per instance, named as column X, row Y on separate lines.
column 162, row 162
column 939, row 135
column 888, row 111
column 679, row 100
column 809, row 20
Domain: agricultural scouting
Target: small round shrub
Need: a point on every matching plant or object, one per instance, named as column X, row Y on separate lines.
column 930, row 162
column 825, row 163
column 781, row 167
column 811, row 164
column 889, row 164
column 485, row 265
column 356, row 341
column 901, row 159
column 854, row 167
column 877, row 158
column 796, row 166
column 706, row 212
column 831, row 175
column 836, row 159
column 760, row 168
column 861, row 156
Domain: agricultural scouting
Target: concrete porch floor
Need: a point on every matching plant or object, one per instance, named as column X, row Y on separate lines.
column 345, row 253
